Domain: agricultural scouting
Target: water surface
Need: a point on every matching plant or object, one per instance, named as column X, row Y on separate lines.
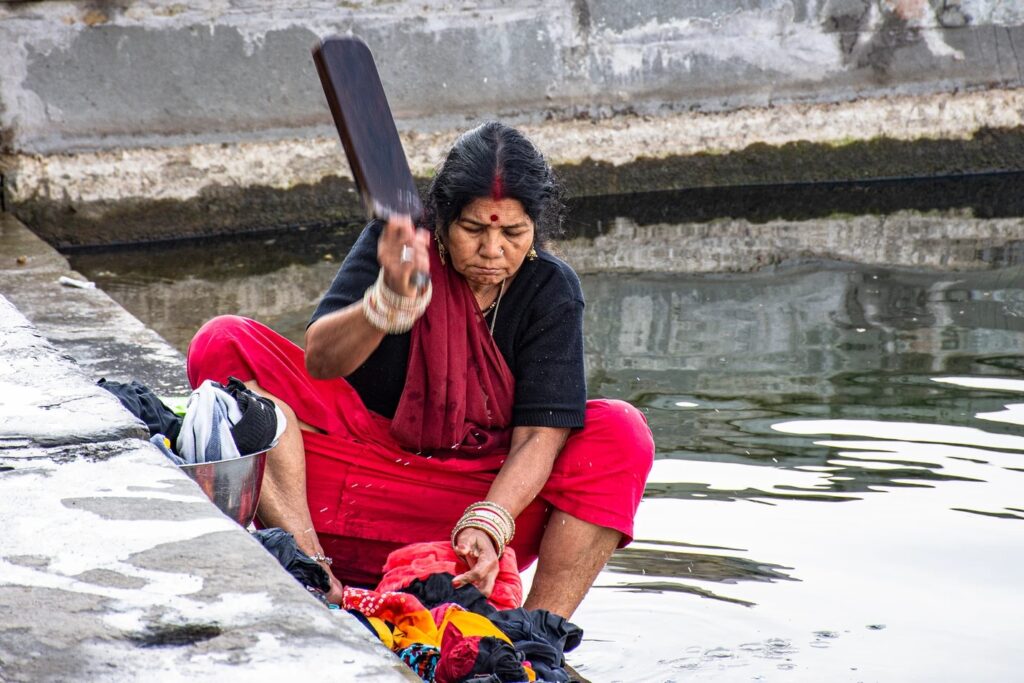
column 837, row 494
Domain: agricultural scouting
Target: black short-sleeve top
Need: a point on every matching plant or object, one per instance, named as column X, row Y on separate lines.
column 539, row 331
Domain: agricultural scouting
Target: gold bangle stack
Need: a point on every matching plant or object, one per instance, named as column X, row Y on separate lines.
column 490, row 518
column 392, row 313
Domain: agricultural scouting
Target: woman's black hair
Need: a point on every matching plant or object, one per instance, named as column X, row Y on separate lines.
column 497, row 161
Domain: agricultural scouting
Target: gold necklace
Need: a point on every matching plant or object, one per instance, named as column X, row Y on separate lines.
column 494, row 304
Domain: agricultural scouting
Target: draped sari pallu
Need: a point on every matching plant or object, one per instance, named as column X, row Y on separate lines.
column 375, row 484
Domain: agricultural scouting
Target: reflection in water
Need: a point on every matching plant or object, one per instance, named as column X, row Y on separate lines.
column 721, row 568
column 775, row 392
column 176, row 288
column 894, row 395
column 655, row 558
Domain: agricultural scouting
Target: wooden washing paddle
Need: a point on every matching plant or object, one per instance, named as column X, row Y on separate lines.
column 367, row 129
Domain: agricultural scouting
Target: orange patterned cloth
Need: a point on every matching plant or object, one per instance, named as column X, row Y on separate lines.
column 401, row 621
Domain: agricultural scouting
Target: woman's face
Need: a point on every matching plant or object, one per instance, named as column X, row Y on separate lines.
column 488, row 242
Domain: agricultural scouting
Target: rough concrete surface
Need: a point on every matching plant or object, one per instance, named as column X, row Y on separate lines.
column 150, row 194
column 139, row 73
column 38, row 403
column 115, row 567
column 183, row 172
column 84, row 324
column 141, row 121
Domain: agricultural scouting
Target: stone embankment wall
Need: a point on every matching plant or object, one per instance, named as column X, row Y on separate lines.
column 114, row 566
column 146, row 120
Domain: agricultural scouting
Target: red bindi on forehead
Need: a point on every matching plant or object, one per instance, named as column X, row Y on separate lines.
column 494, row 218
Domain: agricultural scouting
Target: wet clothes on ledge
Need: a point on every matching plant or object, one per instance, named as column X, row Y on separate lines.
column 540, row 636
column 441, row 632
column 141, row 402
column 222, row 421
column 454, row 635
column 402, row 622
column 301, row 566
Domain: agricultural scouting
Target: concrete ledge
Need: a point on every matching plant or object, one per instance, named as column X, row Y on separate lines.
column 42, row 403
column 83, row 324
column 115, row 567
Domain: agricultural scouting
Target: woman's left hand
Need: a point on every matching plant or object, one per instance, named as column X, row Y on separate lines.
column 477, row 550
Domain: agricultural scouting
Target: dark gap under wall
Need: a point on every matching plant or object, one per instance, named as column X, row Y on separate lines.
column 796, row 181
column 994, row 195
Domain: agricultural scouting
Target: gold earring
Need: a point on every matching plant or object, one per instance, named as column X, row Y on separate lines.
column 532, row 254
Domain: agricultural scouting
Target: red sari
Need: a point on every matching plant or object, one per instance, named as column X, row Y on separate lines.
column 374, row 485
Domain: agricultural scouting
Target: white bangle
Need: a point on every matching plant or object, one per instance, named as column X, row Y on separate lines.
column 392, row 313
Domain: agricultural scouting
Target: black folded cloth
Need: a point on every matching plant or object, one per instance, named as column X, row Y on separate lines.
column 144, row 404
column 437, row 589
column 301, row 566
column 257, row 428
column 542, row 637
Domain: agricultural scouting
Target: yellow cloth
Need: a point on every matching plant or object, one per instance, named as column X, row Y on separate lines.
column 414, row 623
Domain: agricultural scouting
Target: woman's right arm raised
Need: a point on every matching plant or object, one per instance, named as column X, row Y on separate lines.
column 339, row 342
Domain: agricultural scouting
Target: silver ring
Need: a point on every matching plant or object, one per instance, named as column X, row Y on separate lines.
column 406, row 256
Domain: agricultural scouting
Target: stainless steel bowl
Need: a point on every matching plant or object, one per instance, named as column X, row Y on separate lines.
column 233, row 485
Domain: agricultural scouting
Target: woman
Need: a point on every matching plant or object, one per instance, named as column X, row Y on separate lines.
column 463, row 404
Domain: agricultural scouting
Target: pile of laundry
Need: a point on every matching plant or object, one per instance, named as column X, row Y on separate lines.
column 447, row 634
column 220, row 422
